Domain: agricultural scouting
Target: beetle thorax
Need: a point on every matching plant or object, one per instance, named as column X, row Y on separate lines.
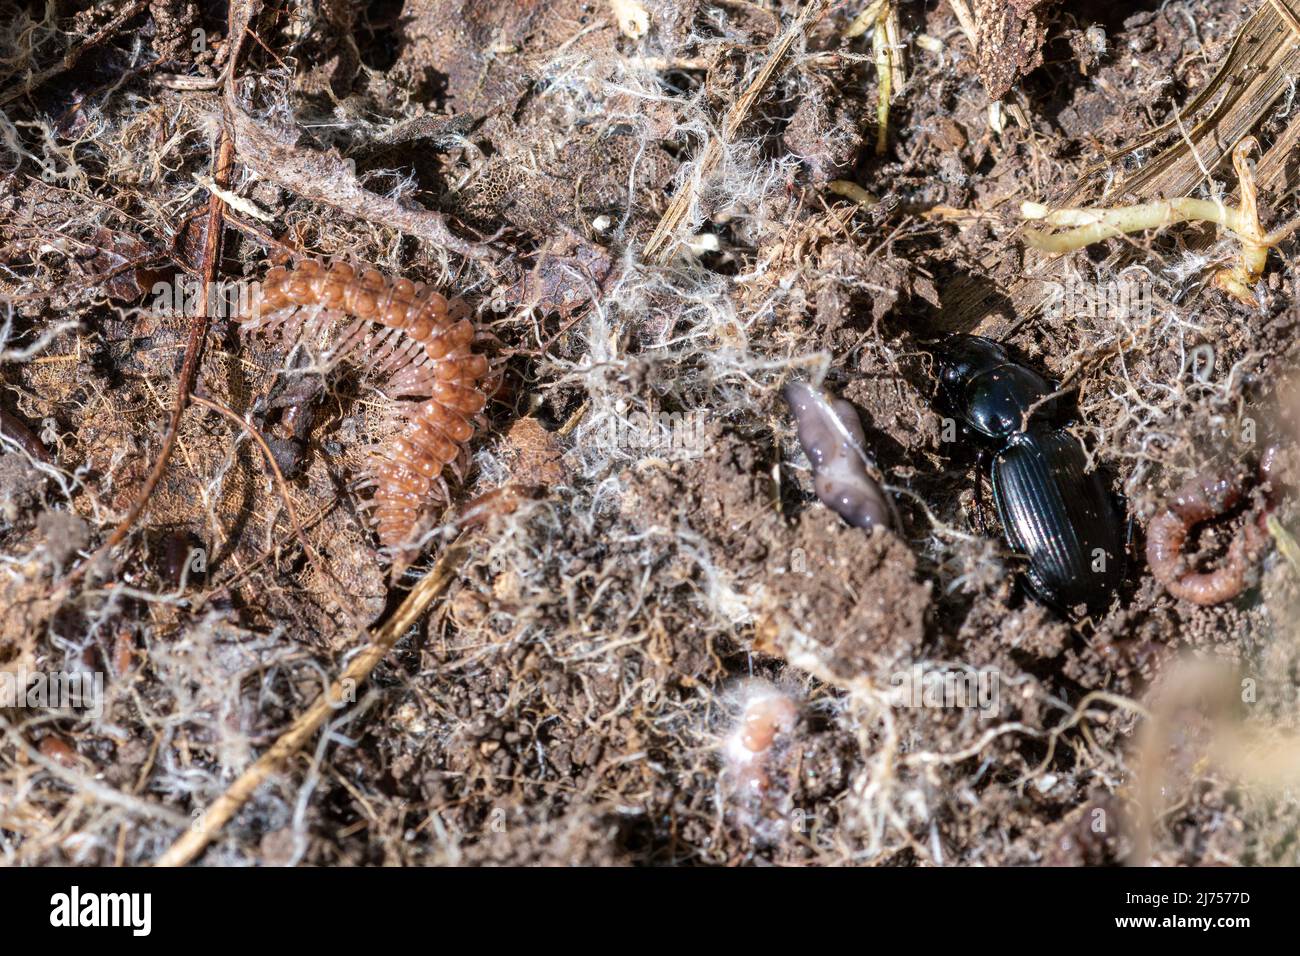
column 998, row 401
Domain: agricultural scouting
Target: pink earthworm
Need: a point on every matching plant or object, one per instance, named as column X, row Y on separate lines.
column 1207, row 495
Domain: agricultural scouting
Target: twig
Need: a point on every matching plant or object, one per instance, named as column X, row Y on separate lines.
column 72, row 56
column 189, row 367
column 967, row 22
column 657, row 247
column 205, row 829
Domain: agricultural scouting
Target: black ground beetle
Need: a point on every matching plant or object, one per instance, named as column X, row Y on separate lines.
column 1054, row 512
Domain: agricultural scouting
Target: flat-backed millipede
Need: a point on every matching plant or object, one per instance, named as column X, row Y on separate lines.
column 419, row 343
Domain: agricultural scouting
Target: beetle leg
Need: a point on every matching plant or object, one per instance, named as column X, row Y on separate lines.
column 982, row 465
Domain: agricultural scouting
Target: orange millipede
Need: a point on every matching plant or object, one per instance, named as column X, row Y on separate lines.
column 422, row 348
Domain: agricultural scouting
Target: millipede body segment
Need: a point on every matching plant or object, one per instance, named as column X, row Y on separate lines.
column 419, row 343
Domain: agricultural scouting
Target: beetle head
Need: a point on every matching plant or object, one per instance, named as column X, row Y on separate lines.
column 959, row 359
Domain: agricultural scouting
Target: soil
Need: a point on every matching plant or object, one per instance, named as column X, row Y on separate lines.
column 659, row 557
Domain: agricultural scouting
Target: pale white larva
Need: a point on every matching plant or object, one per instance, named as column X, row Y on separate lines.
column 830, row 434
column 765, row 714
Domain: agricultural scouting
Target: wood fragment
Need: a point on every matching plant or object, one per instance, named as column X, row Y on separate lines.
column 209, row 824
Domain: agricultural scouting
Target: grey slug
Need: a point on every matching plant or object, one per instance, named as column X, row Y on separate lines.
column 830, row 434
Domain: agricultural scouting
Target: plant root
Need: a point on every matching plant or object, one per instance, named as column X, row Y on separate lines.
column 1087, row 226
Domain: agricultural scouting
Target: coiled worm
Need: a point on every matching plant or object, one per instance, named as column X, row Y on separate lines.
column 1206, row 495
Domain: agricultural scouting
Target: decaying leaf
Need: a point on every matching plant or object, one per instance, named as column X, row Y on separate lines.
column 1010, row 40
